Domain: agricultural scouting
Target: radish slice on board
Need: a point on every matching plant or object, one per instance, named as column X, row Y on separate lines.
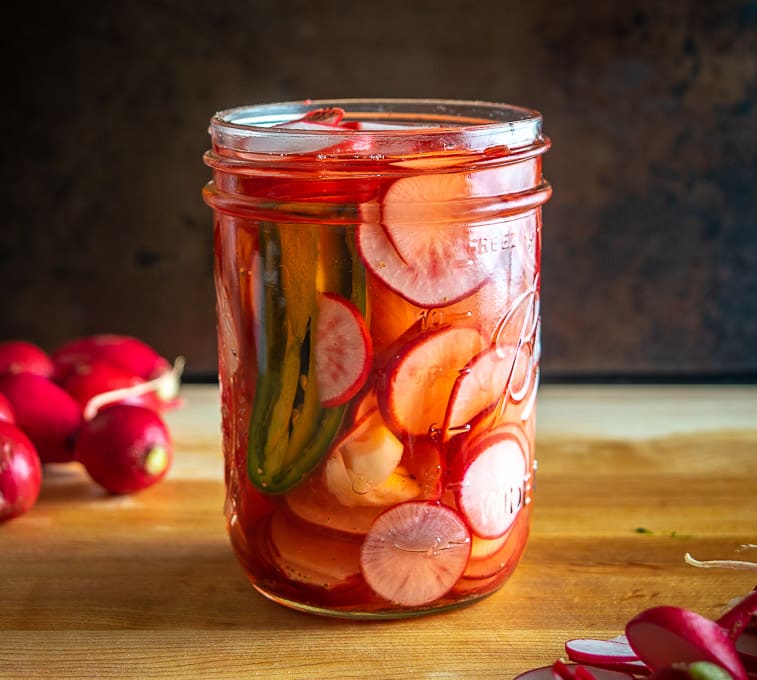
column 548, row 673
column 739, row 615
column 490, row 483
column 599, row 651
column 415, row 552
column 615, row 654
column 343, row 351
column 665, row 635
column 418, row 383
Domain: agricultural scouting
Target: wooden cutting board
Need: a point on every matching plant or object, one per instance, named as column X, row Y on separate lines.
column 146, row 586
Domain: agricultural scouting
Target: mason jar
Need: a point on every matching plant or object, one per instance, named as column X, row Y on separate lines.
column 377, row 270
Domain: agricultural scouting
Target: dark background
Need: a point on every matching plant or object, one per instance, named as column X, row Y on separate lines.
column 650, row 240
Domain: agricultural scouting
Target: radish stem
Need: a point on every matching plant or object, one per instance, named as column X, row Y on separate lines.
column 166, row 385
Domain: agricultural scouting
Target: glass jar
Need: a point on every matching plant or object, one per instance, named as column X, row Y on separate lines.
column 377, row 275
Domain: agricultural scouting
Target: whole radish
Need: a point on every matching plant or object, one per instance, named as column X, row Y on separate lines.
column 20, row 472
column 6, row 410
column 125, row 448
column 126, row 368
column 128, row 353
column 46, row 413
column 111, row 384
column 20, row 356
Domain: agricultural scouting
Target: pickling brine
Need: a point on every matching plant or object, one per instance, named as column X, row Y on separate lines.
column 377, row 270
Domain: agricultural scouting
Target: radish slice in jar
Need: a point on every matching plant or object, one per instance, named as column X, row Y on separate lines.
column 343, row 350
column 491, row 483
column 308, row 557
column 418, row 383
column 415, row 552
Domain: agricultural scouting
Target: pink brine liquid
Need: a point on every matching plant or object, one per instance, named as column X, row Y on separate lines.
column 378, row 326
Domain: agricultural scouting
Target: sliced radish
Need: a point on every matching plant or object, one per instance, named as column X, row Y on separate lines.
column 415, row 552
column 503, row 560
column 549, row 673
column 665, row 635
column 313, row 558
column 737, row 617
column 421, row 245
column 418, row 383
column 424, row 460
column 746, row 646
column 483, row 548
column 481, row 384
column 591, row 651
column 343, row 351
column 490, row 483
column 426, row 280
column 362, row 405
column 312, row 502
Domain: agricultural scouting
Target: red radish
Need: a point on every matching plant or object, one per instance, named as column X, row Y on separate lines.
column 126, row 352
column 490, row 482
column 415, row 552
column 343, row 351
column 20, row 356
column 20, row 472
column 592, row 651
column 549, row 673
column 414, row 394
column 615, row 654
column 326, row 121
column 502, row 560
column 746, row 646
column 6, row 410
column 736, row 619
column 96, row 383
column 480, row 386
column 665, row 635
column 422, row 248
column 94, row 376
column 47, row 414
column 125, row 448
column 428, row 280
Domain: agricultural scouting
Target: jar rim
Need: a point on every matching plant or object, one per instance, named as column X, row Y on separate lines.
column 480, row 123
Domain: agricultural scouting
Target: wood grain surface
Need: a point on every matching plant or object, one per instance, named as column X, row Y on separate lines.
column 146, row 586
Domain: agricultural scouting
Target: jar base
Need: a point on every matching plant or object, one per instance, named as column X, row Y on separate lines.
column 377, row 615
